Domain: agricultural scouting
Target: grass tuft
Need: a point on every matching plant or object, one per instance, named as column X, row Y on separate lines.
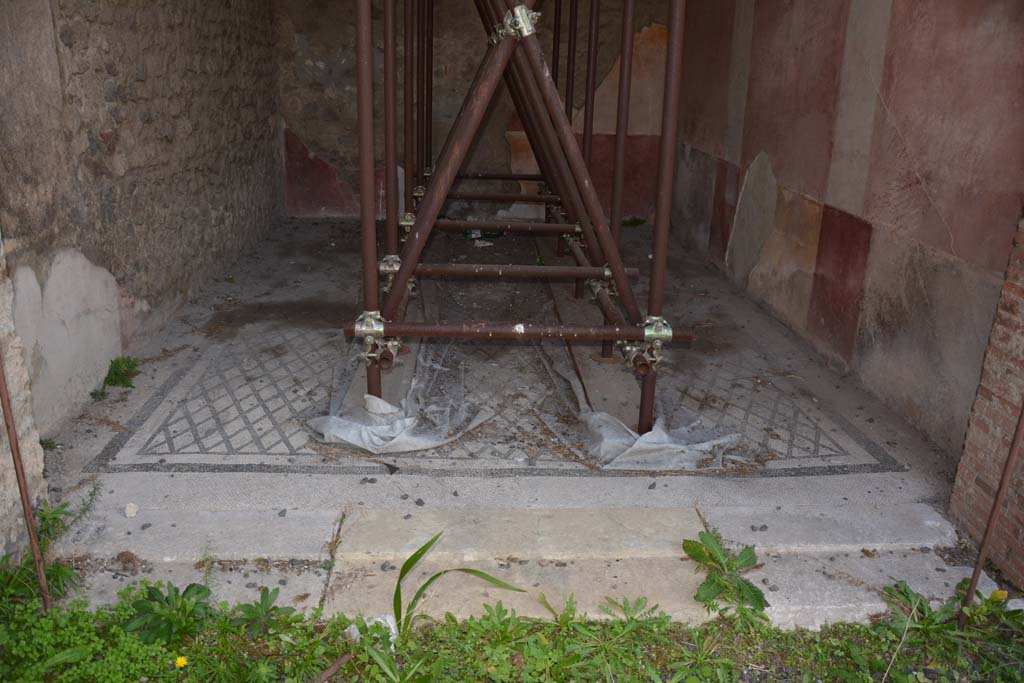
column 122, row 371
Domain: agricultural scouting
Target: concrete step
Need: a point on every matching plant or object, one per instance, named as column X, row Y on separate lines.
column 589, row 553
column 367, row 587
column 831, row 529
column 810, row 590
column 160, row 535
column 488, row 533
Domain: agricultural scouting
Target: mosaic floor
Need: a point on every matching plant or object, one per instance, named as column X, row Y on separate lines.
column 243, row 406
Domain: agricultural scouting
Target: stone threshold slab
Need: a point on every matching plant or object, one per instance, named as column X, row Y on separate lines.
column 835, row 528
column 487, row 533
column 365, row 587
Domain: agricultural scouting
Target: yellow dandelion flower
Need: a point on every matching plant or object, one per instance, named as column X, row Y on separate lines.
column 180, row 662
column 1000, row 596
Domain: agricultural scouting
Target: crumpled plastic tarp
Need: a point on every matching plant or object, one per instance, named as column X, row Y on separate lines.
column 435, row 412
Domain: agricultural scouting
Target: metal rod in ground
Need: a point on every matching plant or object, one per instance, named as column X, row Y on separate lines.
column 428, row 86
column 409, row 131
column 666, row 156
column 570, row 64
column 390, row 133
column 993, row 515
column 420, row 94
column 666, row 170
column 367, row 213
column 19, row 473
column 514, row 271
column 583, row 180
column 477, row 102
column 532, row 228
column 489, row 330
column 504, row 197
column 591, row 85
column 648, row 382
column 622, row 118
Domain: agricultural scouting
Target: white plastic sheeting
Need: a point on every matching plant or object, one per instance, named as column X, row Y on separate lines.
column 435, row 411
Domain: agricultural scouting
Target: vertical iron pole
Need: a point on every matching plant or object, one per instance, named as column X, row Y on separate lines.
column 622, row 118
column 570, row 65
column 666, row 172
column 667, row 156
column 647, row 386
column 993, row 515
column 428, row 103
column 390, row 133
column 420, row 96
column 19, row 473
column 556, row 43
column 367, row 213
column 408, row 132
column 588, row 100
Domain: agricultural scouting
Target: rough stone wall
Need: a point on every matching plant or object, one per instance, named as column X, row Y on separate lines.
column 315, row 43
column 993, row 420
column 141, row 150
column 894, row 187
column 12, row 523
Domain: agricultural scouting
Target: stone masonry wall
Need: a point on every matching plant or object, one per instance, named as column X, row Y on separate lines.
column 140, row 152
column 12, row 523
column 315, row 41
column 990, row 430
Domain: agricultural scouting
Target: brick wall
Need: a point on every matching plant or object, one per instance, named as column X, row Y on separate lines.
column 992, row 423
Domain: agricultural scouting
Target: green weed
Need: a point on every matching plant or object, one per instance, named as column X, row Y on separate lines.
column 405, row 614
column 121, row 372
column 724, row 591
column 169, row 617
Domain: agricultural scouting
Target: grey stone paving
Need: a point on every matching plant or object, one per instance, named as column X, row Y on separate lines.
column 245, row 402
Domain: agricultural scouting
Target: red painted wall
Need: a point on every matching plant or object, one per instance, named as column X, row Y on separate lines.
column 706, row 57
column 947, row 160
column 795, row 62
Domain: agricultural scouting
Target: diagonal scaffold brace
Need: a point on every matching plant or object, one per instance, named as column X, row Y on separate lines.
column 575, row 217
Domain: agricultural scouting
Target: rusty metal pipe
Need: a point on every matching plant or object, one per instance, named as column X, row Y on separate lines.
column 367, row 213
column 490, row 330
column 19, row 473
column 667, row 156
column 583, row 180
column 408, row 80
column 530, row 228
column 622, row 117
column 556, row 41
column 421, row 17
column 648, row 382
column 390, row 133
column 428, row 87
column 477, row 102
column 570, row 66
column 993, row 514
column 591, row 85
column 514, row 271
column 504, row 197
column 500, row 176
